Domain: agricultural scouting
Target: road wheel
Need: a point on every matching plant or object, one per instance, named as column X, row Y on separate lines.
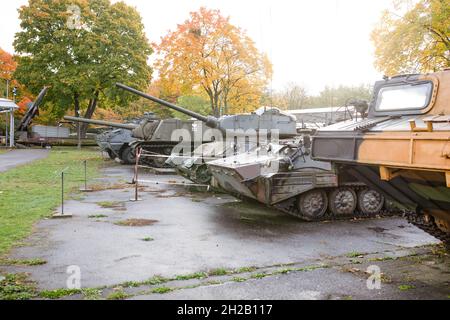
column 343, row 201
column 202, row 175
column 370, row 202
column 111, row 154
column 313, row 204
column 128, row 156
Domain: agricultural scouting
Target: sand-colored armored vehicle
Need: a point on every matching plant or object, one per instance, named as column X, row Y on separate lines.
column 402, row 149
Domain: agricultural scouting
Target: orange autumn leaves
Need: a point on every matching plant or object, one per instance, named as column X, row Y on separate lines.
column 7, row 67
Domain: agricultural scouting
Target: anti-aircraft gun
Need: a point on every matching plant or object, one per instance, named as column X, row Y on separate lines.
column 237, row 134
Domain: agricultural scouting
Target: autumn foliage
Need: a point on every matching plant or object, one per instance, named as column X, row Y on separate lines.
column 7, row 68
column 208, row 56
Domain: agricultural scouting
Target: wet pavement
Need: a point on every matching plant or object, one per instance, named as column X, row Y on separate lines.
column 14, row 158
column 191, row 231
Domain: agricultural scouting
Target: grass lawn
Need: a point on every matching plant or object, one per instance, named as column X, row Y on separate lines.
column 32, row 192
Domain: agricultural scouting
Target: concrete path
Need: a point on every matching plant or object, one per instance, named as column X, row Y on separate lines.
column 16, row 158
column 191, row 232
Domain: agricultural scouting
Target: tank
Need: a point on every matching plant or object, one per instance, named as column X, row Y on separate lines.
column 117, row 143
column 152, row 134
column 237, row 134
column 284, row 176
column 402, row 148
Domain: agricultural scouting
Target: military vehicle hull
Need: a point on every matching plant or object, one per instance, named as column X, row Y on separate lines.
column 117, row 144
column 404, row 154
column 288, row 179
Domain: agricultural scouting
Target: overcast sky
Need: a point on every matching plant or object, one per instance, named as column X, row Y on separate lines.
column 313, row 43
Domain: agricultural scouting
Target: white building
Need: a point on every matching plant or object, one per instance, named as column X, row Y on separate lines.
column 8, row 107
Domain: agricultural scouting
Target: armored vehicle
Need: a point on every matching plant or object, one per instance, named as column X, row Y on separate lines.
column 117, row 143
column 194, row 167
column 238, row 134
column 153, row 135
column 283, row 175
column 402, row 149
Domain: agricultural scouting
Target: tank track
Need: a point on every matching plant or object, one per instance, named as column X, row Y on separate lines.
column 429, row 226
column 290, row 207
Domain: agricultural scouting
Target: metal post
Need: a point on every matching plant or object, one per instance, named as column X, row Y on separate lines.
column 11, row 129
column 136, row 175
column 62, row 215
column 6, row 130
column 62, row 193
column 85, row 189
column 85, row 174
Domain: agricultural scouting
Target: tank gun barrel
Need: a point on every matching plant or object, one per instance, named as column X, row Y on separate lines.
column 210, row 121
column 102, row 123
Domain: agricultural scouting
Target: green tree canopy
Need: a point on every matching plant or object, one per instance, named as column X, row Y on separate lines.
column 81, row 48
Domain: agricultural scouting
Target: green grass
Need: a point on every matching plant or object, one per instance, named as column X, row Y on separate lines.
column 118, row 295
column 219, row 272
column 59, row 293
column 246, row 269
column 32, row 192
column 98, row 216
column 155, row 281
column 148, row 239
column 198, row 275
column 239, row 279
column 405, row 287
column 16, row 262
column 260, row 275
column 355, row 254
column 17, row 287
column 92, row 293
column 162, row 290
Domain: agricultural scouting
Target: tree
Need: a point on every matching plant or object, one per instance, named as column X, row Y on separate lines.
column 210, row 54
column 417, row 41
column 81, row 48
column 337, row 97
column 7, row 68
column 293, row 96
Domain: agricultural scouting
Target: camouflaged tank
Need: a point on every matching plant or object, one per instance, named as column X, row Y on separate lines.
column 402, row 149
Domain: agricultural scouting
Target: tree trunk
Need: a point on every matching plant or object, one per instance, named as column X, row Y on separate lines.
column 89, row 113
column 77, row 114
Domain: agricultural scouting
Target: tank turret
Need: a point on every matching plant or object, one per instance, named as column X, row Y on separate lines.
column 270, row 119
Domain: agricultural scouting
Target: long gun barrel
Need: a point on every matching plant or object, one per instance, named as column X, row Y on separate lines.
column 210, row 121
column 33, row 111
column 102, row 123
